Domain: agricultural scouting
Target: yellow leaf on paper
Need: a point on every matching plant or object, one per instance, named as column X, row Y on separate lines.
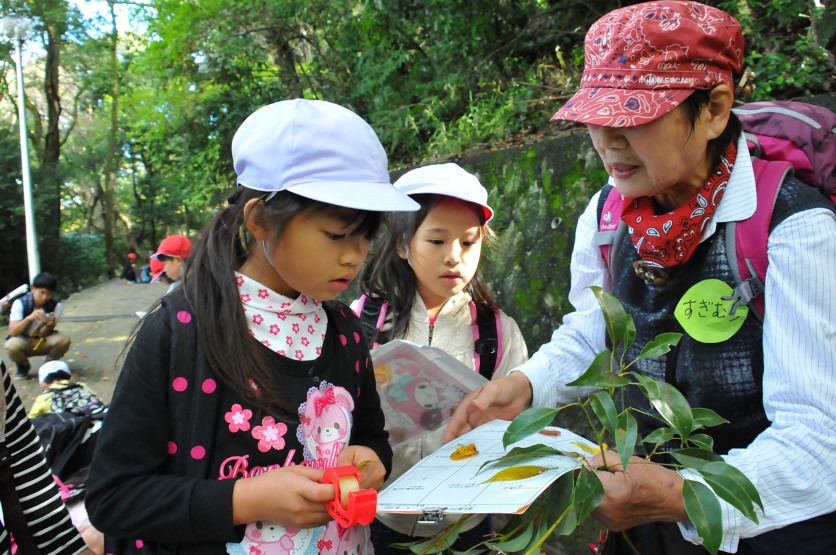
column 464, row 452
column 516, row 473
column 587, row 448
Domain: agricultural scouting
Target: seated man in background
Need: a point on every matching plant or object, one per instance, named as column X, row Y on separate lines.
column 32, row 325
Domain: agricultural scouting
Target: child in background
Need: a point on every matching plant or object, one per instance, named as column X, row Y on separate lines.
column 173, row 252
column 427, row 273
column 60, row 393
column 129, row 268
column 251, row 378
column 32, row 509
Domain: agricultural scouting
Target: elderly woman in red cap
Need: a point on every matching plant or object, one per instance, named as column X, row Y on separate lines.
column 656, row 96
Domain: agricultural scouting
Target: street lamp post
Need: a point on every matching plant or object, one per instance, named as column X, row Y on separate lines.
column 17, row 28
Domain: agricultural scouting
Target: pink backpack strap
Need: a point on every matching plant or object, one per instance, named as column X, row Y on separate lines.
column 746, row 240
column 610, row 227
column 361, row 302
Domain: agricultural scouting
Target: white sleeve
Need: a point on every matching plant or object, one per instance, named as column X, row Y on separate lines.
column 16, row 313
column 793, row 462
column 582, row 335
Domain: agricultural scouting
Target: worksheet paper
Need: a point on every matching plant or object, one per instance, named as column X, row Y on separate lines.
column 439, row 484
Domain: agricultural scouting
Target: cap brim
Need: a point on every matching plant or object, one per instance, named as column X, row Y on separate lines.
column 155, row 278
column 432, row 188
column 620, row 107
column 375, row 197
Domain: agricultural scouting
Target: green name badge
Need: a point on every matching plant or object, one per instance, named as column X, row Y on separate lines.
column 704, row 314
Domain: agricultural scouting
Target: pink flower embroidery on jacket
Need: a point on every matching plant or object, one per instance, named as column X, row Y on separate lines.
column 270, row 434
column 238, row 418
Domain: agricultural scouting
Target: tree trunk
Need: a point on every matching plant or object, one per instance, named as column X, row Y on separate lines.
column 110, row 159
column 49, row 173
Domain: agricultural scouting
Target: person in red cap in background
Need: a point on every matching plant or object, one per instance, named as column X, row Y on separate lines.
column 156, row 270
column 656, row 96
column 129, row 268
column 173, row 252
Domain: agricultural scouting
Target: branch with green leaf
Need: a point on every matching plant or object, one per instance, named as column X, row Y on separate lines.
column 571, row 498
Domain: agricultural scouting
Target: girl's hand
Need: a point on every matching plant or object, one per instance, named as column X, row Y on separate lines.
column 371, row 470
column 292, row 496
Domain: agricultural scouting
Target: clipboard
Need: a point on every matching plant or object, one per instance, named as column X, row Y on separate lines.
column 437, row 485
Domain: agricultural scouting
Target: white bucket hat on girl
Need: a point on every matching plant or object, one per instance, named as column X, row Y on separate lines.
column 51, row 367
column 317, row 150
column 449, row 180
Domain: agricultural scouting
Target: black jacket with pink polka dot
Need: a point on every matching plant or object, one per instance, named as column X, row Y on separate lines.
column 176, row 439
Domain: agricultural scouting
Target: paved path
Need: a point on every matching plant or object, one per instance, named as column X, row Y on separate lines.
column 98, row 321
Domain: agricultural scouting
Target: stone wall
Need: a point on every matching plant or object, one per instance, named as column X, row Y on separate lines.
column 538, row 191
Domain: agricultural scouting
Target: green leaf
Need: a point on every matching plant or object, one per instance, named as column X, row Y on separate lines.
column 513, row 544
column 435, row 544
column 661, row 345
column 620, row 326
column 522, row 454
column 528, row 422
column 626, row 437
column 648, row 385
column 600, row 373
column 659, row 435
column 702, row 441
column 706, row 417
column 557, row 505
column 694, row 458
column 674, row 409
column 704, row 512
column 604, row 408
column 589, row 491
column 742, row 494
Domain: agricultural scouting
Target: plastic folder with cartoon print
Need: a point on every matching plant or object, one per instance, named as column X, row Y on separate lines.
column 419, row 387
column 453, row 480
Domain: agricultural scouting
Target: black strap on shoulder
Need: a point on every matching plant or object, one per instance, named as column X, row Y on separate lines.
column 369, row 316
column 602, row 199
column 28, row 301
column 487, row 346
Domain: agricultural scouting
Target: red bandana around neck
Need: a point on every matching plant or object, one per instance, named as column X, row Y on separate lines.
column 667, row 240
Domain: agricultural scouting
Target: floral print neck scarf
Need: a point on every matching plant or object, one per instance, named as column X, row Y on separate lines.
column 293, row 328
column 667, row 240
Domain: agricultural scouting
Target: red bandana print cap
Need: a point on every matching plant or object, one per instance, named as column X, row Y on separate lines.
column 642, row 61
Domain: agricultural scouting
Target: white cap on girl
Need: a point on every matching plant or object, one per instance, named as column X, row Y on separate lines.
column 51, row 367
column 318, row 150
column 448, row 180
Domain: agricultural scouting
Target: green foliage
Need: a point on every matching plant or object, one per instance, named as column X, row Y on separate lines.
column 571, row 499
column 80, row 263
column 789, row 45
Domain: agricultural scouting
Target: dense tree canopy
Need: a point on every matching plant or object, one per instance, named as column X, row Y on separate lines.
column 132, row 110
